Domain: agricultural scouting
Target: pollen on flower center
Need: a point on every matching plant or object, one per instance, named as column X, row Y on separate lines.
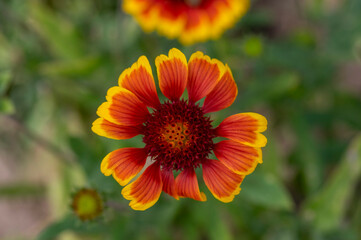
column 178, row 135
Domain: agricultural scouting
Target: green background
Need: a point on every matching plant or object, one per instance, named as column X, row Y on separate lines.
column 295, row 62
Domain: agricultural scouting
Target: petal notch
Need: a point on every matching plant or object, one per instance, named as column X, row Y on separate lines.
column 222, row 95
column 244, row 128
column 172, row 73
column 124, row 164
column 169, row 183
column 187, row 185
column 238, row 157
column 222, row 182
column 123, row 108
column 139, row 80
column 108, row 129
column 203, row 75
column 145, row 191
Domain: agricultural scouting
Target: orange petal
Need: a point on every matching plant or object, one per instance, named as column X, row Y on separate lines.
column 203, row 75
column 244, row 128
column 222, row 182
column 145, row 191
column 169, row 183
column 187, row 185
column 107, row 129
column 222, row 95
column 172, row 73
column 124, row 164
column 238, row 157
column 211, row 21
column 123, row 108
column 139, row 80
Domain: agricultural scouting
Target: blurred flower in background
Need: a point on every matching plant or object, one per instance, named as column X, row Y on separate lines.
column 87, row 204
column 177, row 135
column 190, row 21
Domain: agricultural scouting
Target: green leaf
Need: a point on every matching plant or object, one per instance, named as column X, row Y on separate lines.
column 72, row 68
column 266, row 190
column 272, row 158
column 6, row 53
column 208, row 216
column 270, row 88
column 306, row 154
column 21, row 190
column 59, row 34
column 356, row 220
column 53, row 230
column 5, row 77
column 6, row 106
column 326, row 208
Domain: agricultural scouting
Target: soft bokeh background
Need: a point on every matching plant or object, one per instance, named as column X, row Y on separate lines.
column 296, row 62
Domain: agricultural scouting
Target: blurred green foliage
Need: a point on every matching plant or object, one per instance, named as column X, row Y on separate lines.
column 58, row 58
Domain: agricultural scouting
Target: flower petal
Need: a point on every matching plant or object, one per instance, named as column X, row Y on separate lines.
column 172, row 73
column 123, row 108
column 222, row 182
column 187, row 185
column 145, row 191
column 203, row 75
column 222, row 95
column 108, row 129
column 210, row 19
column 124, row 164
column 139, row 80
column 198, row 27
column 183, row 20
column 238, row 157
column 169, row 183
column 244, row 128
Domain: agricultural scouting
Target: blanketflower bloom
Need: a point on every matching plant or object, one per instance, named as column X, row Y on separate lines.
column 178, row 136
column 188, row 20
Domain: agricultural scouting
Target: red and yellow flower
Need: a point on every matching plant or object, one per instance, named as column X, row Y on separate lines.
column 178, row 136
column 188, row 20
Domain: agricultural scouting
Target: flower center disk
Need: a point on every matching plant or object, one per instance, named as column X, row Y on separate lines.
column 178, row 135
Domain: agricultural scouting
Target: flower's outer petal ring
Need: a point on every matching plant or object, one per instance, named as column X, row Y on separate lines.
column 169, row 183
column 222, row 182
column 123, row 108
column 178, row 19
column 187, row 185
column 211, row 22
column 222, row 95
column 172, row 73
column 238, row 157
column 198, row 27
column 145, row 191
column 244, row 128
column 203, row 75
column 139, row 80
column 108, row 129
column 124, row 164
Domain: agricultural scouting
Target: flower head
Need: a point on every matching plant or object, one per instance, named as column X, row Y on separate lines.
column 87, row 204
column 178, row 136
column 188, row 20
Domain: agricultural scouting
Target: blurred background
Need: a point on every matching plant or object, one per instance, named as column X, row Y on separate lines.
column 296, row 62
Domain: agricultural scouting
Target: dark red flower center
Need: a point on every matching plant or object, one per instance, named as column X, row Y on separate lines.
column 193, row 3
column 178, row 135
